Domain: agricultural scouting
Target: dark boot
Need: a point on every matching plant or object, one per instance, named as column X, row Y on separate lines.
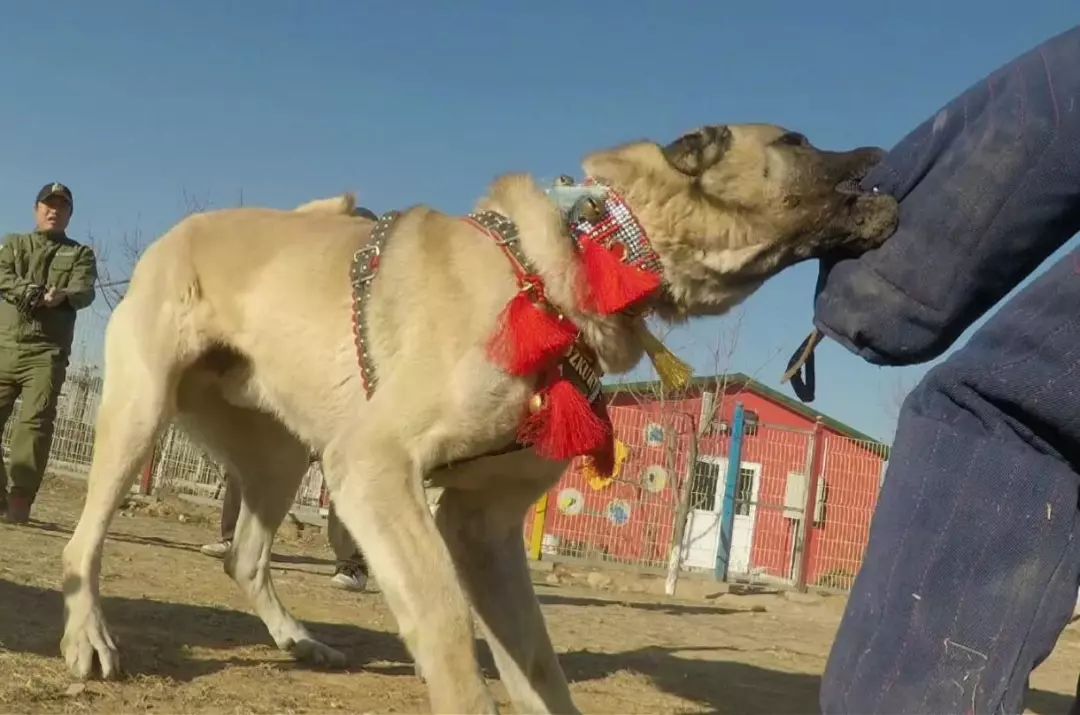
column 18, row 510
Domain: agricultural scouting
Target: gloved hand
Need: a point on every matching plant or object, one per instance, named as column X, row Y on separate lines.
column 30, row 299
column 988, row 188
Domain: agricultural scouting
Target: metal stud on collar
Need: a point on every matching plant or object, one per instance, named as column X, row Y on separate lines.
column 587, row 209
column 507, row 234
column 612, row 222
column 365, row 265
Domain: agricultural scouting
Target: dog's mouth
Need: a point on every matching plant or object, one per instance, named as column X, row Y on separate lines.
column 853, row 185
column 860, row 163
column 866, row 211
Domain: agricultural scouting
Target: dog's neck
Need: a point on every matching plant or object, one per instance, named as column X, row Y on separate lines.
column 544, row 238
column 708, row 266
column 596, row 211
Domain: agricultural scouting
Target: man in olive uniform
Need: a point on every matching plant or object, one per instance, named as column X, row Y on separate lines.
column 45, row 277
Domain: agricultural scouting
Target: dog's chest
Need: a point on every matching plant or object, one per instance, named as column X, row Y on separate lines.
column 497, row 472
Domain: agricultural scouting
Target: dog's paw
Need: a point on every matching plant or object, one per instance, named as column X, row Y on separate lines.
column 87, row 642
column 312, row 651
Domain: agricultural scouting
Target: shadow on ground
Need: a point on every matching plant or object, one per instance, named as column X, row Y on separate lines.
column 55, row 530
column 681, row 609
column 725, row 687
column 154, row 637
column 1041, row 702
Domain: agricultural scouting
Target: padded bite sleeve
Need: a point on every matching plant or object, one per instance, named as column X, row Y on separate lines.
column 988, row 187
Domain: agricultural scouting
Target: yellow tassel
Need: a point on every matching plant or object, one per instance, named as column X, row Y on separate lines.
column 674, row 373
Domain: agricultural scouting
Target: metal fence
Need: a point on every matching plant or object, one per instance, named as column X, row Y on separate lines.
column 771, row 501
column 633, row 517
column 178, row 467
column 784, row 474
column 852, row 472
column 627, row 518
column 181, row 467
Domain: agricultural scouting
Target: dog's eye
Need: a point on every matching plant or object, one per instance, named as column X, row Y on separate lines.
column 792, row 139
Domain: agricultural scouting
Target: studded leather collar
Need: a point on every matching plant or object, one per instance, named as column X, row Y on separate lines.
column 365, row 265
column 580, row 364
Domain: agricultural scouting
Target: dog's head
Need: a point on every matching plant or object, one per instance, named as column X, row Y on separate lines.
column 727, row 207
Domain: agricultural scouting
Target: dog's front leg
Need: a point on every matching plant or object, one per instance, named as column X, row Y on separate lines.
column 483, row 531
column 378, row 496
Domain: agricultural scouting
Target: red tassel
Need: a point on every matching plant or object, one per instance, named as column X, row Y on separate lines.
column 565, row 426
column 528, row 336
column 613, row 285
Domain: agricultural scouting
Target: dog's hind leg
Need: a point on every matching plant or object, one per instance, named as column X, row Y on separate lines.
column 269, row 463
column 378, row 496
column 136, row 402
column 483, row 532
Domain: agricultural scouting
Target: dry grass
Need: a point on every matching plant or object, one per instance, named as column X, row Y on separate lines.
column 189, row 644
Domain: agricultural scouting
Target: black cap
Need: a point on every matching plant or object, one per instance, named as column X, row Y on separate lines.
column 55, row 189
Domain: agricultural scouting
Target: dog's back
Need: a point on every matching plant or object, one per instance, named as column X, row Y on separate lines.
column 193, row 278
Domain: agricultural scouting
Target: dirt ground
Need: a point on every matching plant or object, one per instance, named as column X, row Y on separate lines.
column 189, row 644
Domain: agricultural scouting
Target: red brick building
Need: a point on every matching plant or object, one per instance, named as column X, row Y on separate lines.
column 632, row 518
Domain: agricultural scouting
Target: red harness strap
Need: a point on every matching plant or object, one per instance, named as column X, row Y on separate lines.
column 567, row 417
column 531, row 333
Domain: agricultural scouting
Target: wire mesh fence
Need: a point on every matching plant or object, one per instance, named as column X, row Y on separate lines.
column 182, row 467
column 179, row 466
column 851, row 476
column 73, row 440
column 626, row 518
column 770, row 501
column 632, row 517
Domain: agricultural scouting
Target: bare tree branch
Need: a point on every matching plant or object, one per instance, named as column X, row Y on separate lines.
column 689, row 427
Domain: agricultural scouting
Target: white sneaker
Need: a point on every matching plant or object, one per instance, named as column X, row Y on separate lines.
column 350, row 577
column 217, row 550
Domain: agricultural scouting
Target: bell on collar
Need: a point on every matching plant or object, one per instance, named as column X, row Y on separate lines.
column 565, row 196
column 587, row 208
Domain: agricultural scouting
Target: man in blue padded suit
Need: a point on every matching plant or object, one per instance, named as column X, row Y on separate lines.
column 972, row 567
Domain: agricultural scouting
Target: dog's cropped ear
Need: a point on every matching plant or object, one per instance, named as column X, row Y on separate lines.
column 344, row 204
column 693, row 153
column 624, row 164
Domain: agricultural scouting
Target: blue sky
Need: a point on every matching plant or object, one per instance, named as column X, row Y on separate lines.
column 138, row 105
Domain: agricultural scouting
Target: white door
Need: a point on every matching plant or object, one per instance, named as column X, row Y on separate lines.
column 702, row 538
column 702, row 534
column 742, row 531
